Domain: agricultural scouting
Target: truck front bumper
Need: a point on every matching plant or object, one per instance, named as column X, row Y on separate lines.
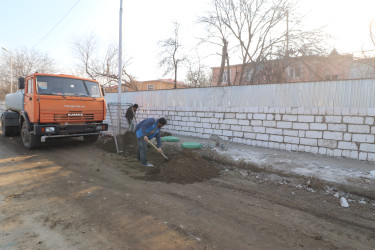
column 69, row 130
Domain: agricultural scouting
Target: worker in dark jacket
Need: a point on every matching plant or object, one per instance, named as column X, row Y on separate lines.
column 130, row 116
column 146, row 130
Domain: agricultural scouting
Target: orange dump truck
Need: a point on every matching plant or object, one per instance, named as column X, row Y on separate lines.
column 54, row 106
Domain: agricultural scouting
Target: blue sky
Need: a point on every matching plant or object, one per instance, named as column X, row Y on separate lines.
column 25, row 23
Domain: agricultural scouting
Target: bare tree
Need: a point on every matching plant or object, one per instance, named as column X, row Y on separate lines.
column 170, row 54
column 102, row 67
column 24, row 62
column 372, row 31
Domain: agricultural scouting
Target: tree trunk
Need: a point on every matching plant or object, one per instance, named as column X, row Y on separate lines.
column 224, row 55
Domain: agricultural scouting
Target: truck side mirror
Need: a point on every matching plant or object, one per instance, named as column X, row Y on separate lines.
column 102, row 90
column 21, row 82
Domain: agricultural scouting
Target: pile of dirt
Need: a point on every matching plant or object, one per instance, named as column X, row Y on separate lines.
column 186, row 167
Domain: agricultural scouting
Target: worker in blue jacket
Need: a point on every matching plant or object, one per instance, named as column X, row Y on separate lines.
column 146, row 130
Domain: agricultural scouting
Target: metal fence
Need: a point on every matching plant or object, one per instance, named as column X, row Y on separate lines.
column 329, row 94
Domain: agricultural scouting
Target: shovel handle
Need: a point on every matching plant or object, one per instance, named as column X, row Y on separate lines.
column 157, row 149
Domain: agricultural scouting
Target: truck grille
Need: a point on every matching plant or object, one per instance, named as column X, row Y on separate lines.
column 73, row 117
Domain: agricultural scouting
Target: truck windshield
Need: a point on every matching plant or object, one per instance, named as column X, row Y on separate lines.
column 52, row 85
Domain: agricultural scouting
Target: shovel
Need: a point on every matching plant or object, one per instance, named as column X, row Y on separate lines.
column 166, row 158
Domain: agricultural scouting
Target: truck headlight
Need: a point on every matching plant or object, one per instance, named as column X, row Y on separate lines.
column 50, row 129
column 98, row 127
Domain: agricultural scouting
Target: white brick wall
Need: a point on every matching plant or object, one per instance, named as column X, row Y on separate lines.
column 340, row 132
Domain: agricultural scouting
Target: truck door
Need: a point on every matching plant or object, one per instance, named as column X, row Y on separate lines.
column 30, row 101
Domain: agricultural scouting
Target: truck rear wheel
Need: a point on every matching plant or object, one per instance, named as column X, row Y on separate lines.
column 6, row 130
column 29, row 140
column 90, row 138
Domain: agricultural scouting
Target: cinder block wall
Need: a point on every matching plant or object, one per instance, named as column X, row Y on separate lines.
column 339, row 132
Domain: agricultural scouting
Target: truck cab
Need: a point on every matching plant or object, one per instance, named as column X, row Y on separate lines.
column 55, row 106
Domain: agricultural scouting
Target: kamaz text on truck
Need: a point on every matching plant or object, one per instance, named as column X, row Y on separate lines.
column 53, row 106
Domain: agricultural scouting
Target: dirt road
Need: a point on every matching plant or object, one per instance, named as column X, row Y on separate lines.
column 69, row 195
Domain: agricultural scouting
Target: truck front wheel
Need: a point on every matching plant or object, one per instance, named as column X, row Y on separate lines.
column 6, row 130
column 29, row 140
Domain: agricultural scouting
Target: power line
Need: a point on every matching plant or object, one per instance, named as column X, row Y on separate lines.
column 54, row 27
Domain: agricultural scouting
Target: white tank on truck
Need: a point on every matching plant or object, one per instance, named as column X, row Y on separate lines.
column 14, row 101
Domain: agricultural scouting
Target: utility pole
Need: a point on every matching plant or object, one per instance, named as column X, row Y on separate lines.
column 119, row 71
column 287, row 34
column 11, row 70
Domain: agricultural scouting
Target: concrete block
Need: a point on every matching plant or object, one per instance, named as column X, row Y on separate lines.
column 277, row 117
column 241, row 116
column 362, row 111
column 224, row 126
column 373, row 130
column 275, row 131
column 244, row 122
column 249, row 135
column 292, row 140
column 247, row 129
column 265, row 110
column 249, row 116
column 218, row 131
column 337, row 111
column 347, row 145
column 318, row 126
column 330, row 111
column 276, row 138
column 366, row 147
column 270, row 117
column 338, row 127
column 269, row 124
column 345, row 111
column 290, row 132
column 347, row 137
column 371, row 111
column 314, row 134
column 219, row 115
column 235, row 128
column 322, row 111
column 271, row 110
column 301, row 111
column 301, row 133
column 256, row 123
column 259, row 116
column 307, row 149
column 346, row 153
column 319, row 119
column 262, row 137
column 302, row 126
column 363, row 138
column 332, row 135
column 369, row 120
column 370, row 157
column 282, row 146
column 333, row 119
column 337, row 152
column 327, row 143
column 200, row 114
column 353, row 119
column 259, row 130
column 284, row 124
column 354, row 154
column 229, row 115
column 309, row 142
column 288, row 147
column 294, row 147
column 301, row 148
column 294, row 111
column 322, row 151
column 192, row 119
column 363, row 129
column 315, row 150
column 290, row 118
column 362, row 156
column 238, row 134
column 276, row 145
column 306, row 118
column 230, row 121
column 353, row 111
